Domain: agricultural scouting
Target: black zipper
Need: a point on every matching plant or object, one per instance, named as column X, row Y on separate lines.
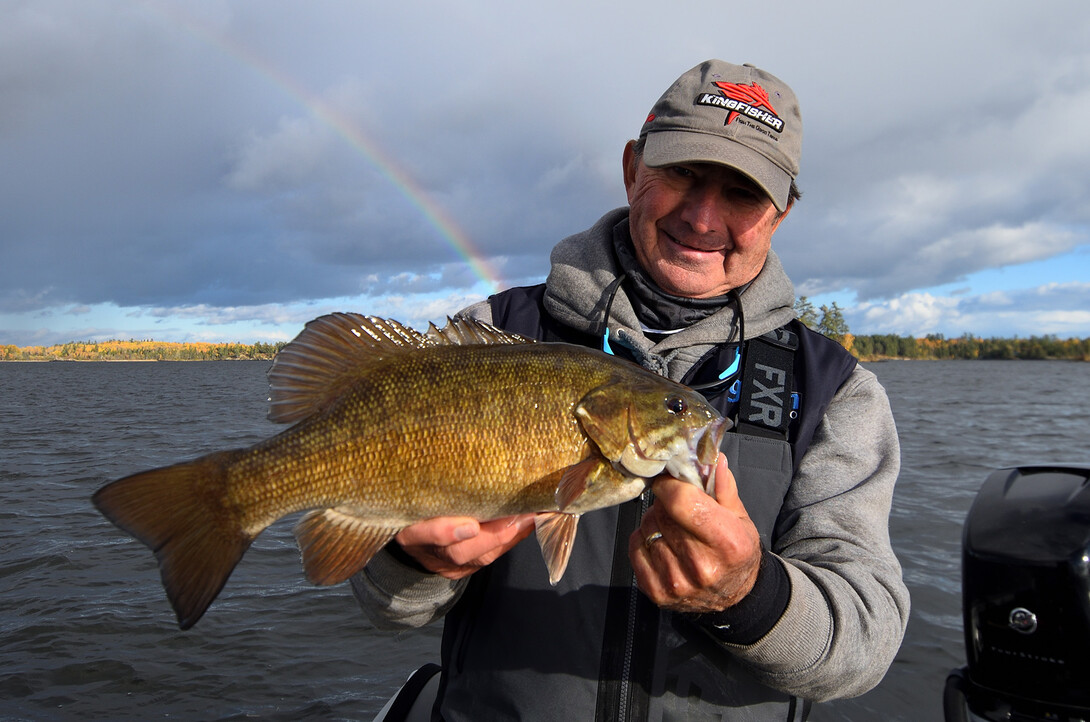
column 626, row 691
column 631, row 630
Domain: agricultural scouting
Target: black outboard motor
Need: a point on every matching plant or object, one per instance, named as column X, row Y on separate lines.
column 1026, row 598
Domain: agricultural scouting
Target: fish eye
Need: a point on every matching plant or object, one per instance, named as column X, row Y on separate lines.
column 676, row 405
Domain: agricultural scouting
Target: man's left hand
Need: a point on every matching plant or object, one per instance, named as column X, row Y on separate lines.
column 694, row 552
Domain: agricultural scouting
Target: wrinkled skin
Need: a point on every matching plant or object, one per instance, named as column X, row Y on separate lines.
column 706, row 560
column 699, row 229
column 709, row 553
column 457, row 546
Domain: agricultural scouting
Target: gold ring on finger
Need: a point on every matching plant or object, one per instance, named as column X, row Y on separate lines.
column 652, row 538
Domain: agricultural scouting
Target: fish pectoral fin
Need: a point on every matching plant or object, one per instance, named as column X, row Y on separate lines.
column 577, row 478
column 556, row 535
column 336, row 544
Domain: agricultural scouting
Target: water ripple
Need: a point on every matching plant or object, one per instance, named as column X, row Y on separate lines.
column 86, row 631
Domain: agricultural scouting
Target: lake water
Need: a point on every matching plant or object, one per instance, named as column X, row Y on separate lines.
column 86, row 631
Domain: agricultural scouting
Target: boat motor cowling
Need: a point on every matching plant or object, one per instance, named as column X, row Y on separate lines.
column 1026, row 598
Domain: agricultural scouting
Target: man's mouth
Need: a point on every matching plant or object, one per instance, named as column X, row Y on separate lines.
column 718, row 247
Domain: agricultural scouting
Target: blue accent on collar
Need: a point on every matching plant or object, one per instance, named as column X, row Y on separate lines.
column 733, row 368
column 605, row 343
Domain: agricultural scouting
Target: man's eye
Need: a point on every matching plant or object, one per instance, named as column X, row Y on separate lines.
column 743, row 194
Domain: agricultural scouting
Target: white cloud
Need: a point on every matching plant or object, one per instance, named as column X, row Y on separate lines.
column 911, row 314
column 1060, row 309
column 995, row 246
column 175, row 156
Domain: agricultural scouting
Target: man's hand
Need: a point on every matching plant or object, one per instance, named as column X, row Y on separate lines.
column 693, row 552
column 455, row 546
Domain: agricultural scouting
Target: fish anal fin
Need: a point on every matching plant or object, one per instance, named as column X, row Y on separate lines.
column 336, row 543
column 556, row 535
column 178, row 512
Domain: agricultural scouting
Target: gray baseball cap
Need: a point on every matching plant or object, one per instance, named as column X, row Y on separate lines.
column 733, row 115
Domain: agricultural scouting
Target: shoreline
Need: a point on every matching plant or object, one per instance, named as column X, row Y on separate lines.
column 123, row 360
column 863, row 360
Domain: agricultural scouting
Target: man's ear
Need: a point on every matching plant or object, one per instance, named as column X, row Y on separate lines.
column 780, row 217
column 630, row 162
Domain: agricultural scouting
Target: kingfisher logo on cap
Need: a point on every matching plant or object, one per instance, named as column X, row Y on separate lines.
column 750, row 101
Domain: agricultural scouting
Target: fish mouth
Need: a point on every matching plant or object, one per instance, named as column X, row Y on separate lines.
column 704, row 443
column 690, row 457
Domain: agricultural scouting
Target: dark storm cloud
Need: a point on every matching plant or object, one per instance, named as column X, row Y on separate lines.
column 172, row 156
column 156, row 168
column 949, row 165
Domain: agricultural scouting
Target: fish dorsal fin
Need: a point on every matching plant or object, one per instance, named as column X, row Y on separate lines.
column 471, row 332
column 325, row 358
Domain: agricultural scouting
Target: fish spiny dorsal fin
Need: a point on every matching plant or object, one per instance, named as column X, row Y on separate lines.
column 463, row 331
column 316, row 367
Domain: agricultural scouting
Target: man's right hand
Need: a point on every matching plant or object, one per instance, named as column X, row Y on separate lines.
column 457, row 546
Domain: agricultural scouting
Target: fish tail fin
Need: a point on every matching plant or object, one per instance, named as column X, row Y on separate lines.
column 180, row 513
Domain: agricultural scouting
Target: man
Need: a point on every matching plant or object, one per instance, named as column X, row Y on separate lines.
column 779, row 590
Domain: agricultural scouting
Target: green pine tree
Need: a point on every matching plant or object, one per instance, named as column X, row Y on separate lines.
column 805, row 311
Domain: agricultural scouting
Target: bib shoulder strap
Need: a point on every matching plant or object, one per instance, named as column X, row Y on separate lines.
column 768, row 402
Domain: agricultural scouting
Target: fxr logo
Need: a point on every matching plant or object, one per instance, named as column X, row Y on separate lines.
column 769, row 412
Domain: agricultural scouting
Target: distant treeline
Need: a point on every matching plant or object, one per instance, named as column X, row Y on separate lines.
column 868, row 348
column 935, row 347
column 141, row 351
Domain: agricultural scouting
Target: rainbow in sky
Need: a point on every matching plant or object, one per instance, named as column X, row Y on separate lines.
column 448, row 230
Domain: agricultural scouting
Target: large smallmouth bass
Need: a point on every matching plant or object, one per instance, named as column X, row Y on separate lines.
column 393, row 426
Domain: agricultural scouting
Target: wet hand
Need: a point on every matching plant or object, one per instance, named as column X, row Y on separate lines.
column 694, row 552
column 455, row 547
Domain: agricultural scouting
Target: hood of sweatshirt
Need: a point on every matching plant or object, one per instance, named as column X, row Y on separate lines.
column 580, row 284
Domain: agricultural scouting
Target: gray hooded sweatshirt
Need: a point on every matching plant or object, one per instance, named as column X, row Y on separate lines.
column 848, row 605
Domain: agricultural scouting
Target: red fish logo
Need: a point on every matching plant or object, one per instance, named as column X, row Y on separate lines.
column 750, row 100
column 752, row 95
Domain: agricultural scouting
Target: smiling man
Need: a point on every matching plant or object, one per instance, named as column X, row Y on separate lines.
column 699, row 230
column 777, row 588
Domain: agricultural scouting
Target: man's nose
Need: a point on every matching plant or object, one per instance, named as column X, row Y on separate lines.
column 703, row 208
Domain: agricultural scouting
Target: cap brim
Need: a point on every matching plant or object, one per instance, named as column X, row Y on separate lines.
column 672, row 147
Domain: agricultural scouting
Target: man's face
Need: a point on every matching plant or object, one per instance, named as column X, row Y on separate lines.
column 699, row 229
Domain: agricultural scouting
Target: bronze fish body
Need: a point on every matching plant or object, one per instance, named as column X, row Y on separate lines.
column 393, row 426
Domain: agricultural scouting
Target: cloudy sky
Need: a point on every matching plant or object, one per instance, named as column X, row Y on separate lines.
column 218, row 170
